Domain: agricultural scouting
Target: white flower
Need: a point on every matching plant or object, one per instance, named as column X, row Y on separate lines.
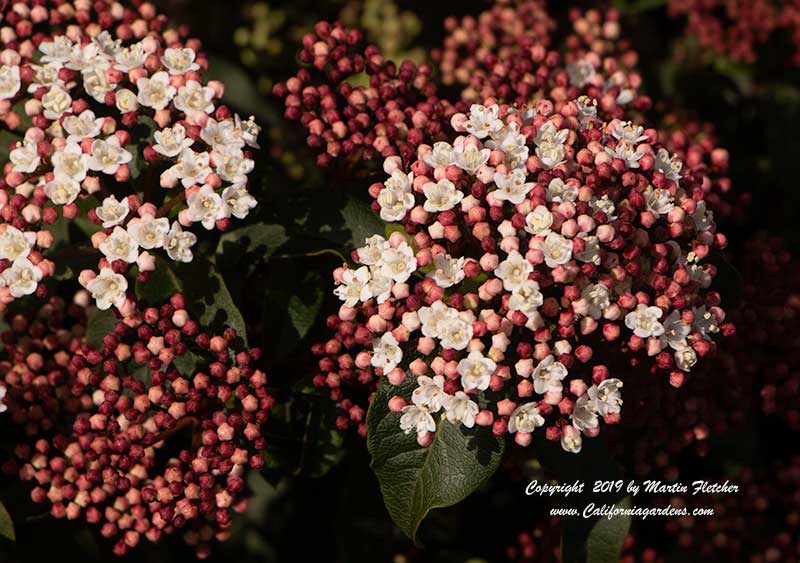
column 627, row 152
column 237, row 201
column 460, row 408
column 514, row 270
column 248, row 130
column 442, row 155
column 551, row 154
column 703, row 217
column 171, row 141
column 386, row 354
column 591, row 249
column 587, row 111
column 571, row 439
column 704, row 322
column 62, row 190
column 155, row 92
column 380, row 287
column 179, row 61
column 87, row 57
column 205, row 205
column 606, row 397
column 396, row 198
column 126, row 101
column 429, row 392
column 192, row 167
column 643, row 321
column 57, row 51
column 83, row 126
column 512, row 143
column 148, row 231
column 685, row 358
column 96, row 84
column 476, row 371
column 354, row 286
column 120, row 245
column 178, row 244
column 597, row 297
column 107, row 156
column 527, row 298
column 512, row 187
column 130, row 58
column 3, row 407
column 628, row 133
column 71, row 162
column 417, row 419
column 559, row 191
column 45, row 76
column 548, row 375
column 107, row 44
column 658, row 201
column 605, row 205
column 25, row 157
column 557, row 250
column 9, row 81
column 580, row 73
column 455, row 333
column 441, row 196
column 398, row 263
column 108, row 289
column 525, row 418
column 15, row 243
column 194, row 97
column 433, row 318
column 22, row 278
column 470, row 157
column 222, row 134
column 675, row 331
column 483, row 120
column 668, row 165
column 56, row 103
column 370, row 254
column 539, row 221
column 232, row 165
column 112, row 212
column 447, row 271
column 583, row 414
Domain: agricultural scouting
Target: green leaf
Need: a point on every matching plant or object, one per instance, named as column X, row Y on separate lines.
column 598, row 543
column 6, row 524
column 100, row 323
column 240, row 91
column 322, row 440
column 361, row 221
column 415, row 480
column 261, row 239
column 161, row 283
column 208, row 298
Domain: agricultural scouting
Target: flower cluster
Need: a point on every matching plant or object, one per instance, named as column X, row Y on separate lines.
column 146, row 435
column 500, row 56
column 109, row 113
column 393, row 115
column 738, row 28
column 535, row 245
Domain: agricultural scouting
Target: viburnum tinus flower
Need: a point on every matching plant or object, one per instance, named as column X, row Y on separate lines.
column 566, row 250
column 395, row 113
column 148, row 434
column 123, row 137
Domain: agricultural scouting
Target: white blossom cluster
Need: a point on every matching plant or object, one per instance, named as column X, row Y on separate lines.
column 212, row 170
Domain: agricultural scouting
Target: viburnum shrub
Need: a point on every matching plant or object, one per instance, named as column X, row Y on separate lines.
column 149, row 433
column 537, row 251
column 120, row 135
column 393, row 115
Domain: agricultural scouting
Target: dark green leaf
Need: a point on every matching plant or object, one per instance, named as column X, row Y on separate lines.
column 6, row 524
column 607, row 536
column 100, row 323
column 260, row 239
column 415, row 480
column 361, row 221
column 322, row 441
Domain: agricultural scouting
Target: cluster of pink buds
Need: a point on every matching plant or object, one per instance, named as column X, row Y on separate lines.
column 737, row 28
column 524, row 67
column 117, row 118
column 148, row 435
column 395, row 113
column 535, row 248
